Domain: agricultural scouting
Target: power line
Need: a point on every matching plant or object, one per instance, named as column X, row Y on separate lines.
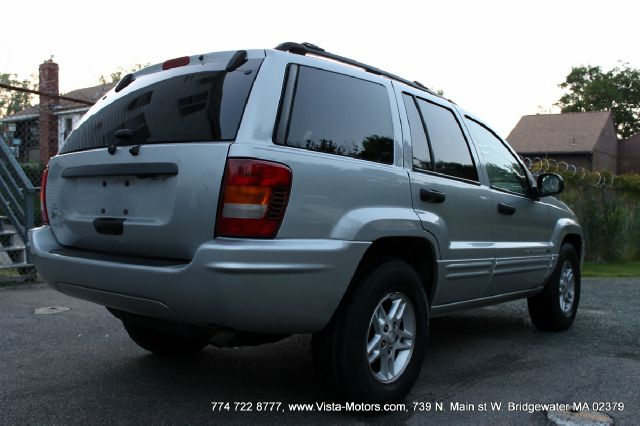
column 38, row 92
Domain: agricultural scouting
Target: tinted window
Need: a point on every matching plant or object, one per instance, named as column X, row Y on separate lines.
column 336, row 114
column 502, row 167
column 450, row 149
column 204, row 106
column 419, row 144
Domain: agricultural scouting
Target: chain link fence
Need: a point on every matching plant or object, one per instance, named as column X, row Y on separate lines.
column 607, row 206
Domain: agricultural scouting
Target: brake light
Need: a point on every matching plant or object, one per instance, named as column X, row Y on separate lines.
column 254, row 198
column 175, row 63
column 43, row 197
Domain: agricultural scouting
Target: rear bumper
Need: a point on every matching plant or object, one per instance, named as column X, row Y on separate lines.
column 268, row 286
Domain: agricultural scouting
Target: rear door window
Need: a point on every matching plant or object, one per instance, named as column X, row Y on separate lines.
column 335, row 113
column 451, row 153
column 201, row 106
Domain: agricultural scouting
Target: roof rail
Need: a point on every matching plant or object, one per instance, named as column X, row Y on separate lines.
column 308, row 48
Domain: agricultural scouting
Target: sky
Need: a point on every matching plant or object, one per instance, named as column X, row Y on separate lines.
column 498, row 59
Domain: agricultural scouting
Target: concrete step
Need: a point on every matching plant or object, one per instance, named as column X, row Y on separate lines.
column 16, row 265
column 12, row 248
column 10, row 238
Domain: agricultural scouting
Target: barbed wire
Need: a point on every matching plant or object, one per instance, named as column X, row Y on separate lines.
column 597, row 179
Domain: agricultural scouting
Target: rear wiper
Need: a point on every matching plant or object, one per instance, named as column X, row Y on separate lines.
column 122, row 135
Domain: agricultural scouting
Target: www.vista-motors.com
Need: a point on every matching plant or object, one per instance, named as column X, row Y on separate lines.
column 528, row 407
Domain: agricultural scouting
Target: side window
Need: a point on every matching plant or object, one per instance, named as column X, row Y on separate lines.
column 450, row 150
column 502, row 167
column 419, row 143
column 335, row 113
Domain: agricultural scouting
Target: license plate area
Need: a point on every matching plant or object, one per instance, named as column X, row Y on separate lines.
column 142, row 199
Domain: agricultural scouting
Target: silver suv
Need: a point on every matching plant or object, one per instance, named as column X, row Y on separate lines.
column 236, row 198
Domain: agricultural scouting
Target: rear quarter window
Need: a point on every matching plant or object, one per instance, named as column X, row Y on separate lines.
column 335, row 113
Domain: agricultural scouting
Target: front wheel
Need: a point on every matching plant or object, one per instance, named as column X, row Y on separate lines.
column 373, row 348
column 555, row 308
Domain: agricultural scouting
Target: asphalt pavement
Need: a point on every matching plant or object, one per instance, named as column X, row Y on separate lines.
column 484, row 366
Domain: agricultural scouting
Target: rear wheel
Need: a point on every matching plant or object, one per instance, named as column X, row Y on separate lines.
column 373, row 348
column 163, row 343
column 555, row 308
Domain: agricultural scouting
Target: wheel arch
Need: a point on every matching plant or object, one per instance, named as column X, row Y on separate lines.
column 576, row 241
column 418, row 252
column 568, row 230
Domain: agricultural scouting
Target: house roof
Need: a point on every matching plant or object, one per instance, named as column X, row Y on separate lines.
column 25, row 114
column 567, row 132
column 92, row 94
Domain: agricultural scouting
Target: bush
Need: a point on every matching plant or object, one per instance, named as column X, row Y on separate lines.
column 33, row 172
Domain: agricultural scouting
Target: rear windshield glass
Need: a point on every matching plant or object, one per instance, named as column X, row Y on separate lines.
column 203, row 106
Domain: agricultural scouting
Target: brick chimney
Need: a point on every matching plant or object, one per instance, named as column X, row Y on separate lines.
column 48, row 122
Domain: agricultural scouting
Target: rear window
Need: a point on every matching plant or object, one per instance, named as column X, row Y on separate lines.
column 335, row 113
column 203, row 106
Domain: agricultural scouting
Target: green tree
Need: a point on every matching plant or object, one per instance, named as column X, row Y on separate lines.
column 589, row 88
column 120, row 72
column 12, row 101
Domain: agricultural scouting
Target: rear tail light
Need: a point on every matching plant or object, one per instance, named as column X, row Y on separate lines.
column 43, row 197
column 254, row 198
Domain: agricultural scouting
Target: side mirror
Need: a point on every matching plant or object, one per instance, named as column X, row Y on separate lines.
column 550, row 184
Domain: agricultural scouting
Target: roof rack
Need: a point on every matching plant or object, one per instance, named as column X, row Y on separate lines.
column 308, row 48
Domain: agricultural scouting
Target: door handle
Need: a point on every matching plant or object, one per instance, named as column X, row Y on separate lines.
column 432, row 196
column 506, row 209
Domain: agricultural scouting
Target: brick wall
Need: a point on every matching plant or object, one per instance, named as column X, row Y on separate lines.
column 48, row 122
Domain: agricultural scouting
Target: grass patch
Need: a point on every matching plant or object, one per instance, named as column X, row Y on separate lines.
column 611, row 269
column 8, row 272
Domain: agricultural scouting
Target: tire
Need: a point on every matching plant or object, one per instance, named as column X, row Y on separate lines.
column 340, row 351
column 555, row 308
column 162, row 343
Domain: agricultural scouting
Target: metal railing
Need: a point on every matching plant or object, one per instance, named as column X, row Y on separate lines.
column 18, row 199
